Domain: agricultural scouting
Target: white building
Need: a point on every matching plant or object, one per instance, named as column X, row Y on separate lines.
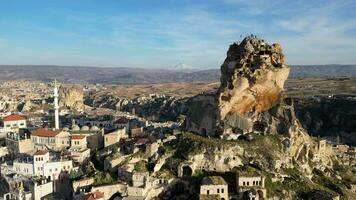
column 12, row 123
column 251, row 185
column 40, row 164
column 40, row 188
column 214, row 186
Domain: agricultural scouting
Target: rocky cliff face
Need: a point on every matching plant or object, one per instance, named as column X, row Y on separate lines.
column 154, row 107
column 250, row 101
column 71, row 97
column 331, row 117
column 252, row 80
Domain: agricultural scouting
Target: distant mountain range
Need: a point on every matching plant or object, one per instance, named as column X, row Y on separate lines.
column 75, row 74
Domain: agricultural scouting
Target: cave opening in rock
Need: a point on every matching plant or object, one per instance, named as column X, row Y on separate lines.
column 187, row 171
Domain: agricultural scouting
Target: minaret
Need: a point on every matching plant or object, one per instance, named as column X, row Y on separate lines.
column 56, row 107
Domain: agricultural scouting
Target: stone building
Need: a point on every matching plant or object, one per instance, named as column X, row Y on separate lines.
column 19, row 142
column 122, row 122
column 250, row 186
column 94, row 137
column 50, row 139
column 14, row 122
column 78, row 142
column 79, row 150
column 114, row 137
column 214, row 186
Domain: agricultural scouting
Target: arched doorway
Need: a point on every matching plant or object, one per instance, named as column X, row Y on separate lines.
column 187, row 171
column 204, row 132
column 260, row 194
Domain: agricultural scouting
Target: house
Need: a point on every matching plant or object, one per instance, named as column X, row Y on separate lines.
column 78, row 142
column 50, row 139
column 250, row 185
column 139, row 186
column 41, row 164
column 14, row 122
column 114, row 137
column 79, row 150
column 40, row 187
column 214, row 186
column 122, row 122
column 19, row 142
column 94, row 138
column 137, row 132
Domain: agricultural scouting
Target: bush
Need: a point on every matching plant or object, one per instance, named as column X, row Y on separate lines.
column 104, row 178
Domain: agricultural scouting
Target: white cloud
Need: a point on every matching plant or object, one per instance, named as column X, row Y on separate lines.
column 318, row 36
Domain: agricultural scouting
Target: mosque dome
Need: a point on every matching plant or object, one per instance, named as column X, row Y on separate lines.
column 75, row 128
column 94, row 128
column 85, row 128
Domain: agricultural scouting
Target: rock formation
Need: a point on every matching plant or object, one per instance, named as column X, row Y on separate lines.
column 154, row 107
column 252, row 81
column 71, row 97
column 250, row 101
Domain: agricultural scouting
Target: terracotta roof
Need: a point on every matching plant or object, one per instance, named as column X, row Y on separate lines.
column 94, row 195
column 41, row 152
column 14, row 117
column 122, row 120
column 42, row 132
column 142, row 141
column 78, row 137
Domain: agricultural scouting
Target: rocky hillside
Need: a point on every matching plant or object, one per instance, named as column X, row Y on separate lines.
column 249, row 107
column 333, row 117
column 154, row 107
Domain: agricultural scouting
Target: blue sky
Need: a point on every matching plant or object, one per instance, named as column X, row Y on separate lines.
column 164, row 33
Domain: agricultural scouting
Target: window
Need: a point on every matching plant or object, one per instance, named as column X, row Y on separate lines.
column 243, row 183
column 218, row 191
column 222, row 190
column 248, row 183
column 207, row 192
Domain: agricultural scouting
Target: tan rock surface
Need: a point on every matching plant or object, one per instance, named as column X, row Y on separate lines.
column 71, row 97
column 252, row 77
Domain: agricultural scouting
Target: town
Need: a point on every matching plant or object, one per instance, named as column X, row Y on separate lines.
column 53, row 146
